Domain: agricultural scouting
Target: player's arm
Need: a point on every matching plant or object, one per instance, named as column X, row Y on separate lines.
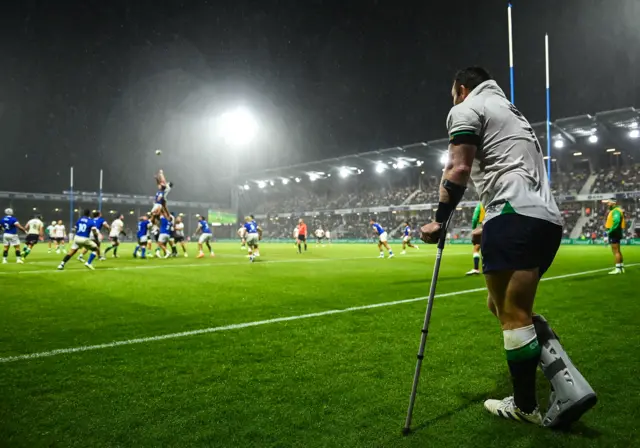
column 19, row 226
column 476, row 216
column 107, row 226
column 95, row 232
column 41, row 233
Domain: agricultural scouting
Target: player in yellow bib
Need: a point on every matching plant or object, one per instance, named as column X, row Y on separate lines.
column 615, row 225
column 478, row 218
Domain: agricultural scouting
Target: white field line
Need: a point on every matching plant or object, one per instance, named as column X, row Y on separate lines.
column 86, row 348
column 170, row 265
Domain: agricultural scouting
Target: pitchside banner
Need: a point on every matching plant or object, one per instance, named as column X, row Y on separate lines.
column 571, row 241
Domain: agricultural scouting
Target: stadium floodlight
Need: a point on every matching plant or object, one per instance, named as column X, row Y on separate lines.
column 559, row 144
column 593, row 138
column 298, row 179
column 313, row 177
column 285, row 181
column 271, row 183
column 577, row 154
column 611, row 150
column 246, row 186
column 261, row 184
column 238, row 126
column 635, row 133
column 395, row 165
column 444, row 159
column 344, row 172
column 34, row 209
column 401, row 164
column 633, row 125
column 380, row 167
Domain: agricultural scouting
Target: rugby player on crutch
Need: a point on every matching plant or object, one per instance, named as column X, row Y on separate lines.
column 494, row 144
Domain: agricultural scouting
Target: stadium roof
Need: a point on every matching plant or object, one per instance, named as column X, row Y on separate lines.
column 619, row 128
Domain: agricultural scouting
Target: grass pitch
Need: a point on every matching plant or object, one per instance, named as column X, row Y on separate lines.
column 330, row 379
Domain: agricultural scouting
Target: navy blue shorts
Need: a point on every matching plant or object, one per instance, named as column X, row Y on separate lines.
column 615, row 237
column 515, row 242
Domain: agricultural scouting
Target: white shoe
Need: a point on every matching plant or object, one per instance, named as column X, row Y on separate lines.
column 103, row 258
column 90, row 266
column 4, row 261
column 381, row 256
column 473, row 272
column 617, row 271
column 404, row 252
column 392, row 255
column 60, row 267
column 186, row 255
column 507, row 408
column 81, row 258
column 19, row 261
column 58, row 252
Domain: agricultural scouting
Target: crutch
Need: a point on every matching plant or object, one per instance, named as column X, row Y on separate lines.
column 425, row 327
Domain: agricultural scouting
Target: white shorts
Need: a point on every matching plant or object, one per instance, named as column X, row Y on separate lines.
column 327, row 235
column 163, row 238
column 10, row 239
column 383, row 237
column 81, row 241
column 252, row 239
column 156, row 208
column 407, row 239
column 204, row 238
column 143, row 239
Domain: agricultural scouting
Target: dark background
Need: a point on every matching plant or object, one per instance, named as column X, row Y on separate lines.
column 102, row 84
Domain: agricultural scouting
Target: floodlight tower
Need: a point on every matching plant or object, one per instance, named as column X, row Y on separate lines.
column 238, row 128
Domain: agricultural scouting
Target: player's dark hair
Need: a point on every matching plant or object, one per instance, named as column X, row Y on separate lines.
column 407, row 223
column 86, row 212
column 251, row 216
column 471, row 77
column 96, row 214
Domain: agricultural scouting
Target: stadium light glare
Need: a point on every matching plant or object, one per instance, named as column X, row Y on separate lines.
column 444, row 159
column 593, row 138
column 238, row 126
column 577, row 154
column 421, row 172
column 395, row 165
column 634, row 133
column 559, row 144
column 380, row 168
column 75, row 210
column 313, row 177
column 617, row 153
column 131, row 212
column 261, row 184
column 298, row 180
column 401, row 164
column 271, row 183
column 285, row 181
column 344, row 172
column 246, row 186
column 633, row 125
column 34, row 209
column 611, row 150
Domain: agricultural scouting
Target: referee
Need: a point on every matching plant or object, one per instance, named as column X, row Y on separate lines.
column 492, row 143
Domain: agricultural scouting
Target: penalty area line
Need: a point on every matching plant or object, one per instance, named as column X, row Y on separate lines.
column 86, row 348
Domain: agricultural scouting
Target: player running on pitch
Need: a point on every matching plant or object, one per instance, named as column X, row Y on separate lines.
column 99, row 222
column 477, row 220
column 251, row 233
column 86, row 236
column 382, row 238
column 10, row 227
column 117, row 229
column 615, row 225
column 205, row 236
column 494, row 144
column 35, row 233
column 319, row 236
column 406, row 238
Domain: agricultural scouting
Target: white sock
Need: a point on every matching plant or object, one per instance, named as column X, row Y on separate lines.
column 514, row 339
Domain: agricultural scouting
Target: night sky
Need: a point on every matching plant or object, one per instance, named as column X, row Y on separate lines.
column 102, row 84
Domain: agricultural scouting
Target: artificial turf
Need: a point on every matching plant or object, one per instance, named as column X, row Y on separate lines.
column 339, row 379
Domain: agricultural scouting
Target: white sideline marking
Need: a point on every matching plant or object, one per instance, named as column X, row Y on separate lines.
column 63, row 351
column 54, row 265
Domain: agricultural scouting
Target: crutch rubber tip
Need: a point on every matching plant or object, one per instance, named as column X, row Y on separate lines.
column 406, row 431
